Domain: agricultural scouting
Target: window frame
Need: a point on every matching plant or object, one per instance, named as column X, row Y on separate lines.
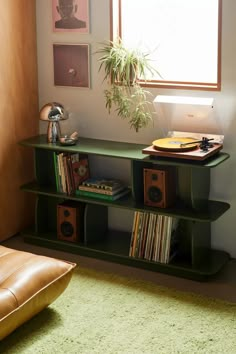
column 116, row 32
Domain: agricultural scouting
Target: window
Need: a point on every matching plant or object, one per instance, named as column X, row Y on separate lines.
column 183, row 38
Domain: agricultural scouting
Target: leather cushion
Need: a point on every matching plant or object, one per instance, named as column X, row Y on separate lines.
column 28, row 284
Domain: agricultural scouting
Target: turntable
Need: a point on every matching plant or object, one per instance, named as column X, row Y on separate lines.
column 184, row 145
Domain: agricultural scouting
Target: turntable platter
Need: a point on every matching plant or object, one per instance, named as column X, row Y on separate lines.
column 175, row 144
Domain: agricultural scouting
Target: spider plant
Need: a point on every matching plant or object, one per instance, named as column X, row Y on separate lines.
column 123, row 67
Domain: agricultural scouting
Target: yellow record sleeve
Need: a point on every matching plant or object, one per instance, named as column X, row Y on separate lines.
column 175, row 144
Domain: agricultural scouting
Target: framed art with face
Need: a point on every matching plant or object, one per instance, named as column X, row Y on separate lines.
column 70, row 16
column 71, row 65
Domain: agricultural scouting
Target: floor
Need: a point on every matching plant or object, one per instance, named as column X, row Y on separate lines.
column 223, row 286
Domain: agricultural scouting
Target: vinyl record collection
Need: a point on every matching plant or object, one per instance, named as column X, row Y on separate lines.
column 154, row 237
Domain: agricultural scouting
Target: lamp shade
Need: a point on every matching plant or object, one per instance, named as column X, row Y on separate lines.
column 53, row 112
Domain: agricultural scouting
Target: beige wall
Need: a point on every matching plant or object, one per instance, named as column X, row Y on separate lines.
column 90, row 118
column 18, row 112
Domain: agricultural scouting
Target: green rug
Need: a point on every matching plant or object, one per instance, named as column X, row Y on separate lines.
column 106, row 314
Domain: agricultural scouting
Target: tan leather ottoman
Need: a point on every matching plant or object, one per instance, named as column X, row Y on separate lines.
column 28, row 284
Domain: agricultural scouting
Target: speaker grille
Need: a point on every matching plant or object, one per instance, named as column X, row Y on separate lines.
column 67, row 229
column 155, row 194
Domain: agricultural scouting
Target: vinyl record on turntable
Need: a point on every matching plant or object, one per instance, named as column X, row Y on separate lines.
column 175, row 144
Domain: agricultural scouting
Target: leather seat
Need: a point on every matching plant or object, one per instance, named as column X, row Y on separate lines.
column 28, row 284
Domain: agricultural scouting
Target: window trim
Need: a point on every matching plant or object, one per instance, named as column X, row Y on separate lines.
column 116, row 31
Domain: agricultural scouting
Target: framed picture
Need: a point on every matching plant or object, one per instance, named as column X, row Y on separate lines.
column 71, row 65
column 70, row 16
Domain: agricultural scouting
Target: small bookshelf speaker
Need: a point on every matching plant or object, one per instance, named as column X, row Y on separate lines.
column 159, row 187
column 70, row 221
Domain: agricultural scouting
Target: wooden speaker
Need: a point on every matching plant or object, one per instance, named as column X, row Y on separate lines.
column 159, row 187
column 70, row 221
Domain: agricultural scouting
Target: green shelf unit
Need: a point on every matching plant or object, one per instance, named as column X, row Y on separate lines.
column 115, row 249
column 195, row 259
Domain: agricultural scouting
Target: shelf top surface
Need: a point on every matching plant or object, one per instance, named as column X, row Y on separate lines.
column 91, row 146
column 118, row 149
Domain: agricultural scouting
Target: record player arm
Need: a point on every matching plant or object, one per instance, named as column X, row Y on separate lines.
column 203, row 141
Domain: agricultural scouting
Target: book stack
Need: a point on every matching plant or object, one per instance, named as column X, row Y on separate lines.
column 103, row 188
column 71, row 169
column 154, row 237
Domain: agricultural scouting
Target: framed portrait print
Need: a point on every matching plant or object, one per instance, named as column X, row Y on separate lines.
column 71, row 65
column 70, row 16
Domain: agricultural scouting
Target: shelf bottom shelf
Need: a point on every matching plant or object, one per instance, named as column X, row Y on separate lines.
column 117, row 252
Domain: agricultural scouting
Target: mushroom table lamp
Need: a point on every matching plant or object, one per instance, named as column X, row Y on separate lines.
column 53, row 112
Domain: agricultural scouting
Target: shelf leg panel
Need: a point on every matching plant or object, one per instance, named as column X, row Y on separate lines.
column 193, row 186
column 195, row 241
column 137, row 168
column 95, row 223
column 44, row 167
column 201, row 242
column 46, row 213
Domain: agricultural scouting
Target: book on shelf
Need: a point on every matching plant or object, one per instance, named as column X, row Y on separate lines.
column 80, row 168
column 71, row 169
column 113, row 197
column 56, row 170
column 61, row 173
column 72, row 184
column 109, row 184
column 154, row 237
column 101, row 190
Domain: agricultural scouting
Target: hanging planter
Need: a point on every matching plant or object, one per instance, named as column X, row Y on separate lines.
column 123, row 68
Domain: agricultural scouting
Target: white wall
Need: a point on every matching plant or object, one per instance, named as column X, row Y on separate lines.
column 90, row 118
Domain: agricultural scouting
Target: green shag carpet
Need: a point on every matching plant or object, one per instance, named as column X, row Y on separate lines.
column 107, row 314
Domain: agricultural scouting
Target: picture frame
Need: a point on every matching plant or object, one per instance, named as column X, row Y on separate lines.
column 71, row 65
column 70, row 16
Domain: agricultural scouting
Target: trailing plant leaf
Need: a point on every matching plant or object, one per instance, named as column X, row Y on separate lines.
column 123, row 107
column 109, row 99
column 141, row 114
column 123, row 68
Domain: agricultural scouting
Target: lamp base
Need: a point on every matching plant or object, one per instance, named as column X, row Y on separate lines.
column 54, row 132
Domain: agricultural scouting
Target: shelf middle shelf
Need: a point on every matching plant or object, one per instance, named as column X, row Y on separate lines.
column 213, row 211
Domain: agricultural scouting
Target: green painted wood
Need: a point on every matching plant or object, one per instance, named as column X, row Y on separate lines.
column 90, row 146
column 46, row 214
column 201, row 243
column 212, row 211
column 116, row 242
column 183, row 268
column 44, row 168
column 194, row 241
column 193, row 187
column 118, row 149
column 95, row 223
column 137, row 168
